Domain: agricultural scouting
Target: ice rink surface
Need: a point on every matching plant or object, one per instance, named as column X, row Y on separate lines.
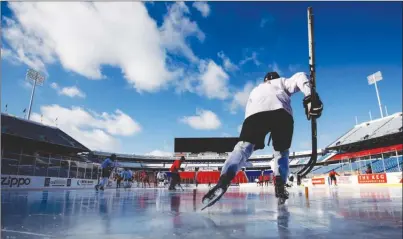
column 251, row 212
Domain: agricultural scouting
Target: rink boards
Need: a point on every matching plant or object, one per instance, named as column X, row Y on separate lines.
column 36, row 182
column 363, row 179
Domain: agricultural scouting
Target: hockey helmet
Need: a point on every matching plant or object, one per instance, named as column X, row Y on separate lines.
column 271, row 76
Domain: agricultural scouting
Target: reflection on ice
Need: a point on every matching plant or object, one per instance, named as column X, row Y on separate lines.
column 242, row 213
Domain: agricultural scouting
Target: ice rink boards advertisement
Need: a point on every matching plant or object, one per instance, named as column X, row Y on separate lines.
column 35, row 182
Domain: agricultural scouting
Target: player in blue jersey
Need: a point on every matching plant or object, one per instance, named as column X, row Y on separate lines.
column 107, row 166
column 127, row 178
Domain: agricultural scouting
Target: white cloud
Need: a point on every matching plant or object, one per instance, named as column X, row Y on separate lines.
column 71, row 91
column 263, row 22
column 228, row 65
column 276, row 68
column 159, row 153
column 54, row 86
column 85, row 36
column 203, row 8
column 203, row 120
column 213, row 81
column 26, row 47
column 293, row 67
column 252, row 58
column 176, row 28
column 209, row 80
column 6, row 54
column 241, row 97
column 96, row 131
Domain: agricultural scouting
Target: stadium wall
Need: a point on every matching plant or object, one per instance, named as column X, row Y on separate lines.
column 16, row 182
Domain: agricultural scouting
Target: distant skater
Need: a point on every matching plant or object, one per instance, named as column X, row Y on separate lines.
column 107, row 167
column 332, row 176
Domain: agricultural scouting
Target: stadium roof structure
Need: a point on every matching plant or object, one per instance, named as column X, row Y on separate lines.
column 97, row 155
column 371, row 132
column 20, row 130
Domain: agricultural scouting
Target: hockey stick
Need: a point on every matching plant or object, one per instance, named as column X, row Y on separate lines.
column 180, row 185
column 314, row 155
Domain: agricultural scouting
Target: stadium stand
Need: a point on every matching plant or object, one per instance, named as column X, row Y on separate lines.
column 35, row 132
column 371, row 131
column 33, row 149
column 376, row 144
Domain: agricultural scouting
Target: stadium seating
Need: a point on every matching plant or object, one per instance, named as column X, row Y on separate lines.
column 392, row 164
column 326, row 157
column 253, row 175
column 372, row 129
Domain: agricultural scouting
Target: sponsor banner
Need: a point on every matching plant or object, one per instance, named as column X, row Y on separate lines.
column 13, row 181
column 57, row 182
column 344, row 180
column 316, row 181
column 85, row 182
column 372, row 178
column 36, row 182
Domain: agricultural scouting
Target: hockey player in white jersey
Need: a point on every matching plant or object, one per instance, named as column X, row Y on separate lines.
column 268, row 110
column 161, row 176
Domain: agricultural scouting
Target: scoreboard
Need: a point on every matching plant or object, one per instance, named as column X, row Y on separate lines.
column 201, row 145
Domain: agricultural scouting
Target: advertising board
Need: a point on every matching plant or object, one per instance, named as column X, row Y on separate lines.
column 12, row 181
column 318, row 181
column 37, row 182
column 344, row 180
column 372, row 178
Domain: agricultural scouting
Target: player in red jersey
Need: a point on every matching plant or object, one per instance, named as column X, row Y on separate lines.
column 145, row 179
column 175, row 173
column 332, row 176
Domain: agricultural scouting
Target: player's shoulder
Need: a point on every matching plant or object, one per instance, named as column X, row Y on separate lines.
column 299, row 75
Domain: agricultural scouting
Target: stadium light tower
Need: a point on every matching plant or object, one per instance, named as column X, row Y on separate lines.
column 36, row 79
column 372, row 79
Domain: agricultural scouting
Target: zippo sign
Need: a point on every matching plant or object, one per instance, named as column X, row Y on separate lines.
column 19, row 181
column 372, row 178
column 316, row 181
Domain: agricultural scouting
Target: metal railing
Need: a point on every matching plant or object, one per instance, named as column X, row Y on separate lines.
column 49, row 166
column 380, row 163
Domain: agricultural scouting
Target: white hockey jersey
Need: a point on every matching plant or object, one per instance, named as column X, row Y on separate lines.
column 161, row 175
column 275, row 94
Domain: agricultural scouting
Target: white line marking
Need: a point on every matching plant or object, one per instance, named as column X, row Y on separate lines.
column 27, row 233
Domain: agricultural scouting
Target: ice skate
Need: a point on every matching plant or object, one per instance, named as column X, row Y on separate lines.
column 280, row 191
column 214, row 194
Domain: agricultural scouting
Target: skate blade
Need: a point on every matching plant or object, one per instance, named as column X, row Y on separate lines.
column 218, row 194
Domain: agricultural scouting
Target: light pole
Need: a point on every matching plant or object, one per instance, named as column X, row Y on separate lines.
column 372, row 79
column 36, row 79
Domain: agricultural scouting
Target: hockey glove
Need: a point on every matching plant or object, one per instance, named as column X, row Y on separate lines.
column 313, row 109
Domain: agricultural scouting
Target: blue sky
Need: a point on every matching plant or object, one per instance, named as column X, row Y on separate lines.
column 130, row 77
